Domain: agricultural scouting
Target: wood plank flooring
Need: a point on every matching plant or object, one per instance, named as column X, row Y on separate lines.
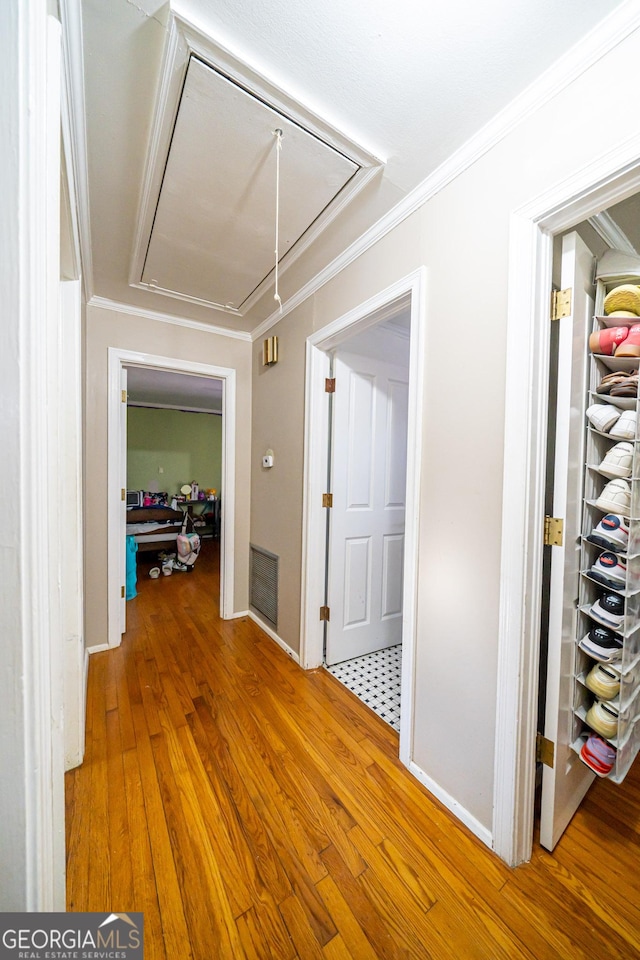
column 250, row 809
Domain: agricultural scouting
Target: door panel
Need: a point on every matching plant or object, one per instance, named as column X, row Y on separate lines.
column 368, row 483
column 398, row 409
column 392, row 556
column 360, row 423
column 565, row 784
column 357, row 592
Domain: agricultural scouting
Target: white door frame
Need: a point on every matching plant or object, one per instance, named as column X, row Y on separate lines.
column 117, row 359
column 608, row 180
column 315, row 475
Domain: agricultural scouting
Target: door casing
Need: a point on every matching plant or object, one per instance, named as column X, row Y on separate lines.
column 604, row 182
column 117, row 360
column 318, row 347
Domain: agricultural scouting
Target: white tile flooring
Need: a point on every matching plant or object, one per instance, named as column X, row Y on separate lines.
column 375, row 679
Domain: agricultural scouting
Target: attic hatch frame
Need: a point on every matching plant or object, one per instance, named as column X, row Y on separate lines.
column 184, row 41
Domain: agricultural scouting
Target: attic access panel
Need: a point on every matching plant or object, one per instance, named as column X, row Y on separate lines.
column 213, row 234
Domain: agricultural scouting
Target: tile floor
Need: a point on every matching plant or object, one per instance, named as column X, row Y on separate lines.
column 375, row 679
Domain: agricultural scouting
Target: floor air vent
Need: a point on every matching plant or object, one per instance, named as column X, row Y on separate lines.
column 263, row 589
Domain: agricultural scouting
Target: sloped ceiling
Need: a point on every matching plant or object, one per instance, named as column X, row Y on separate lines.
column 408, row 82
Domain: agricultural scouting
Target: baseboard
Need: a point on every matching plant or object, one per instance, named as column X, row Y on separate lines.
column 274, row 636
column 460, row 812
column 98, row 648
column 237, row 615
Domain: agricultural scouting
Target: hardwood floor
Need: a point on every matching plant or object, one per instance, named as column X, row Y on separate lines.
column 250, row 809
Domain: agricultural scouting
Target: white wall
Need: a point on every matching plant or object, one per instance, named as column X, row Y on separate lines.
column 462, row 237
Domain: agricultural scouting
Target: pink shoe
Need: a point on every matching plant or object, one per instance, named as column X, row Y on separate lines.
column 630, row 346
column 599, row 755
column 607, row 340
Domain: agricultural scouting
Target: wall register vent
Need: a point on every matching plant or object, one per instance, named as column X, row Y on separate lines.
column 263, row 587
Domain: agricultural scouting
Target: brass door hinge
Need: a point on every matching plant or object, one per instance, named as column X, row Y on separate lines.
column 324, row 613
column 124, row 396
column 330, row 385
column 561, row 303
column 545, row 750
column 123, row 494
column 327, row 499
column 553, row 531
column 122, row 592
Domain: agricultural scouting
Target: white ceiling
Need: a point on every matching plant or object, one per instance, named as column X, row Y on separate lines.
column 147, row 387
column 409, row 82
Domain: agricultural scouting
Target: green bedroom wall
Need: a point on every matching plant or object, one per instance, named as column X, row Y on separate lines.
column 185, row 446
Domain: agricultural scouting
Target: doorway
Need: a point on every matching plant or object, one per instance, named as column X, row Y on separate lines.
column 408, row 296
column 119, row 360
column 366, row 522
column 174, row 434
column 592, row 190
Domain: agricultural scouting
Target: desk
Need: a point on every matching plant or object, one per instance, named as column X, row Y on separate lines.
column 208, row 510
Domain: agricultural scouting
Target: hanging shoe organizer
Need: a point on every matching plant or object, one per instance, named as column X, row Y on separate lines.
column 624, row 735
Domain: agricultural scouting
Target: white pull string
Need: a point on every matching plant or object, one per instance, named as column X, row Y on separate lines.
column 278, row 135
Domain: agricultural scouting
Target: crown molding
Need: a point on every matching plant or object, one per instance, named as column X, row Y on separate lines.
column 114, row 305
column 75, row 131
column 615, row 28
column 606, row 227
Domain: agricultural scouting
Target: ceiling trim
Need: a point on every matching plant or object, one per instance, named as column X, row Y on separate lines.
column 185, row 297
column 106, row 304
column 185, row 39
column 615, row 28
column 182, row 408
column 74, row 132
column 606, row 227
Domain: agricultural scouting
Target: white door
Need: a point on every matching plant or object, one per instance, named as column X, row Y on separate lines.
column 123, row 497
column 565, row 784
column 369, row 457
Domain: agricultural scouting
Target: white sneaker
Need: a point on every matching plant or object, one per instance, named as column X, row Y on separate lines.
column 618, row 461
column 603, row 416
column 612, row 533
column 625, row 426
column 615, row 498
column 610, row 570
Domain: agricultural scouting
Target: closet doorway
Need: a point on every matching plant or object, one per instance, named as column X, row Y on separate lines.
column 588, row 196
column 366, row 522
column 120, row 361
column 579, row 472
column 354, row 342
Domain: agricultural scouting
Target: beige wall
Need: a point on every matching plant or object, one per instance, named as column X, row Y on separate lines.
column 104, row 329
column 462, row 237
column 278, row 424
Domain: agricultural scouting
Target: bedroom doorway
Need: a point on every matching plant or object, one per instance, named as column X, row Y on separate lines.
column 120, row 362
column 174, row 441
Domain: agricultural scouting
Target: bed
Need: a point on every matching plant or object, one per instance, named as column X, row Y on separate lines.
column 153, row 527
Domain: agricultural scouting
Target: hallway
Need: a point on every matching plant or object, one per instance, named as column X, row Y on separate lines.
column 249, row 809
